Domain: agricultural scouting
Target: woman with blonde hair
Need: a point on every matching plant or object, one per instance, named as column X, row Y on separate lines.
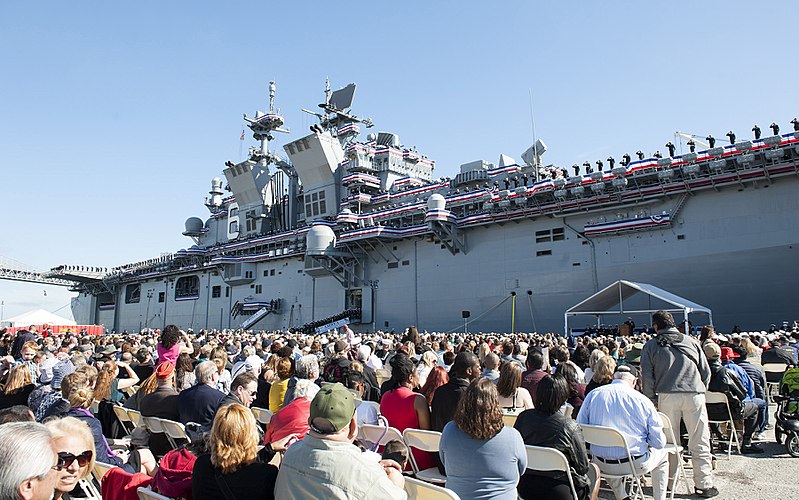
column 472, row 442
column 426, row 365
column 17, row 388
column 595, row 356
column 603, row 373
column 232, row 471
column 511, row 394
column 753, row 352
column 219, row 357
column 74, row 443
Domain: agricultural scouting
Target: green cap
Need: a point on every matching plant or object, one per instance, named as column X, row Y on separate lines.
column 334, row 403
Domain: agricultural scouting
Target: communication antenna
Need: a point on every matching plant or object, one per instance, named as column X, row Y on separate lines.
column 532, row 122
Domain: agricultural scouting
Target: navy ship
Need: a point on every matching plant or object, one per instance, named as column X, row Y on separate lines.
column 349, row 227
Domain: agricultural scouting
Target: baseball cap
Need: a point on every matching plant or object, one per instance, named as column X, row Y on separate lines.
column 712, row 350
column 335, row 404
column 627, row 368
column 727, row 353
column 61, row 370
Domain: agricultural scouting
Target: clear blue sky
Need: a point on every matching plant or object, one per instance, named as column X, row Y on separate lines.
column 115, row 116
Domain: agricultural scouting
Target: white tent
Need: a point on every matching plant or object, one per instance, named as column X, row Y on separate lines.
column 37, row 317
column 610, row 301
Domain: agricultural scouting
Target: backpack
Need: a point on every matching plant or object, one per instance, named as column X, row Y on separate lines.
column 790, row 382
column 337, row 370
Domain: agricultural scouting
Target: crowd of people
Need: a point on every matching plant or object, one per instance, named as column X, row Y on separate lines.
column 58, row 392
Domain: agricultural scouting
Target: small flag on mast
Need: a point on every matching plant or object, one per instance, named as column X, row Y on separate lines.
column 242, row 135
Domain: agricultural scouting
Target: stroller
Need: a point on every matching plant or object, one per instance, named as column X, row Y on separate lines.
column 787, row 417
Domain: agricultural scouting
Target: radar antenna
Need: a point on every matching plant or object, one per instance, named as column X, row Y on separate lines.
column 336, row 108
column 264, row 124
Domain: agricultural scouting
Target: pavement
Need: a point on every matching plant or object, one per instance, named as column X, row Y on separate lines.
column 773, row 475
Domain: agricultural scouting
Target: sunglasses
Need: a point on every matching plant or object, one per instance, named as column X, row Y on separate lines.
column 65, row 459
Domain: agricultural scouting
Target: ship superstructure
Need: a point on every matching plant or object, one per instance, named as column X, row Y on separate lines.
column 342, row 229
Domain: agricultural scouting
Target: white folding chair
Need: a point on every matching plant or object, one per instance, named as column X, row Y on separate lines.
column 373, row 404
column 262, row 415
column 773, row 387
column 175, row 432
column 92, row 493
column 544, row 459
column 378, row 434
column 673, row 447
column 417, row 489
column 598, row 435
column 721, row 398
column 135, row 418
column 124, row 419
column 425, row 441
column 148, row 494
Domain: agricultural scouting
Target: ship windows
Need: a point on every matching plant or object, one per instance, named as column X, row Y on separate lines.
column 227, row 291
column 132, row 294
column 406, row 263
column 266, row 273
column 315, row 204
column 251, row 221
column 393, row 265
column 542, row 253
column 680, row 236
column 248, row 274
column 259, row 288
column 547, row 235
column 216, row 292
column 161, row 296
column 187, row 287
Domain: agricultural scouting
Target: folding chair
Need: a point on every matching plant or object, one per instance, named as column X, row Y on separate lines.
column 94, row 408
column 421, row 490
column 148, row 494
column 719, row 398
column 135, row 418
column 378, row 434
column 262, row 415
column 424, row 441
column 382, row 375
column 124, row 419
column 374, row 404
column 509, row 416
column 773, row 387
column 544, row 459
column 99, row 471
column 154, row 426
column 673, row 447
column 606, row 436
column 175, row 432
column 91, row 491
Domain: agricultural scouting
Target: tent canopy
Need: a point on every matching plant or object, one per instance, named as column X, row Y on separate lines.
column 610, row 300
column 37, row 317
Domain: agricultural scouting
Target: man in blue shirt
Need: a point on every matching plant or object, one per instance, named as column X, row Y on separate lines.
column 620, row 406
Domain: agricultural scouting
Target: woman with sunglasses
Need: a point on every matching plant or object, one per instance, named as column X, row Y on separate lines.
column 73, row 442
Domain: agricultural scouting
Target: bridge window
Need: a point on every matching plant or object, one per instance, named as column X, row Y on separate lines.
column 132, row 294
column 187, row 287
column 258, row 288
column 216, row 292
column 161, row 296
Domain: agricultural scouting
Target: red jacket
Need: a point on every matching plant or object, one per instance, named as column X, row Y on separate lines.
column 291, row 419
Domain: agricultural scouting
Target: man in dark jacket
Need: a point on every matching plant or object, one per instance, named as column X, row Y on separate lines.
column 465, row 369
column 724, row 380
column 535, row 372
column 161, row 403
column 198, row 404
column 675, row 374
column 778, row 353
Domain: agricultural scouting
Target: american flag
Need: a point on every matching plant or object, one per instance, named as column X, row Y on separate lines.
column 242, row 136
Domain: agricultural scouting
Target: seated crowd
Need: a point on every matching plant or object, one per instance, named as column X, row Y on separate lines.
column 58, row 393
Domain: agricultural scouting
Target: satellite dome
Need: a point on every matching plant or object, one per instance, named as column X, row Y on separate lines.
column 194, row 225
column 436, row 202
column 320, row 239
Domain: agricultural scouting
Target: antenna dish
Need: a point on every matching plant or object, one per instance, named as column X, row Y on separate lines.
column 342, row 98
